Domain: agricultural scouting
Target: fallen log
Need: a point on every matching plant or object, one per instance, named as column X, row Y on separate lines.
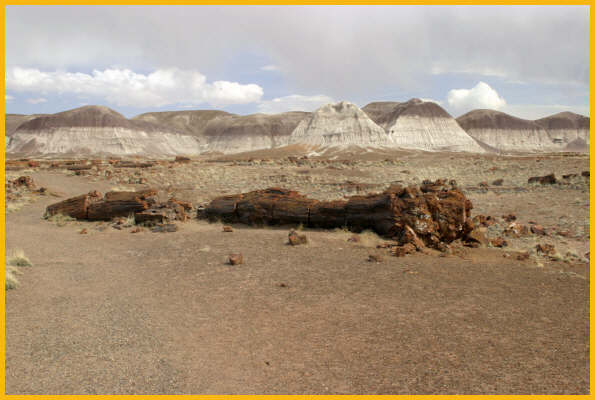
column 152, row 215
column 75, row 207
column 124, row 164
column 438, row 213
column 79, row 167
column 106, row 210
column 130, row 196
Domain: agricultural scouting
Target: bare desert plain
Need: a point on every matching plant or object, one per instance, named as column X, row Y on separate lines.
column 114, row 307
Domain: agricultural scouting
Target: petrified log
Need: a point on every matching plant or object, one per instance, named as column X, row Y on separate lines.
column 106, row 210
column 223, row 208
column 76, row 207
column 437, row 213
column 125, row 164
column 151, row 216
column 79, row 167
column 130, row 196
column 544, row 180
column 327, row 214
column 186, row 204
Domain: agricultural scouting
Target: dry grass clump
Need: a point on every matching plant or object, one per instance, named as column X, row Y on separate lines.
column 11, row 281
column 59, row 219
column 367, row 238
column 18, row 258
column 14, row 261
column 14, row 206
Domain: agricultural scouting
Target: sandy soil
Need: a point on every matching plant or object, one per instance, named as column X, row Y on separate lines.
column 113, row 312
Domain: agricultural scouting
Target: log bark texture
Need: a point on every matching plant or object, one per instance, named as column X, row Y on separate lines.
column 436, row 212
column 106, row 210
column 75, row 207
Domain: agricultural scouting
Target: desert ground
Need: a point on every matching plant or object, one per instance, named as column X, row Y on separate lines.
column 103, row 310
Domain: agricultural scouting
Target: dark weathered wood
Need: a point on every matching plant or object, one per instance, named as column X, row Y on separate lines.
column 124, row 164
column 328, row 214
column 76, row 207
column 150, row 216
column 79, row 167
column 438, row 213
column 370, row 212
column 223, row 208
column 130, row 196
column 106, row 210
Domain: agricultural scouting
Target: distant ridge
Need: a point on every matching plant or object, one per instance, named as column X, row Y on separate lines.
column 410, row 125
column 97, row 130
column 560, row 132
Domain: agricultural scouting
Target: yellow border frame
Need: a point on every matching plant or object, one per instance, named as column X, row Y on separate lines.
column 279, row 2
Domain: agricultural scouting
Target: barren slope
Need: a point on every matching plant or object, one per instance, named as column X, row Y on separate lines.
column 511, row 134
column 97, row 130
column 421, row 125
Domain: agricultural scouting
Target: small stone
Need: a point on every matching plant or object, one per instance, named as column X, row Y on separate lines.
column 546, row 249
column 377, row 258
column 509, row 217
column 296, row 239
column 498, row 242
column 236, row 259
column 498, row 182
column 476, row 238
column 401, row 251
column 522, row 256
column 227, row 228
column 354, row 239
column 538, row 230
column 83, row 231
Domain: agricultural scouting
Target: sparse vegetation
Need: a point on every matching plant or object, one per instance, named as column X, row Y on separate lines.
column 59, row 219
column 18, row 258
column 15, row 260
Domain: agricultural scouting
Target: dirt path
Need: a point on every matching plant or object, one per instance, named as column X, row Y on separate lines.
column 115, row 312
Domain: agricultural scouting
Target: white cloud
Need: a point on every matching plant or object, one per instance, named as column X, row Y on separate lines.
column 125, row 87
column 270, row 67
column 294, row 102
column 37, row 100
column 480, row 96
column 8, row 97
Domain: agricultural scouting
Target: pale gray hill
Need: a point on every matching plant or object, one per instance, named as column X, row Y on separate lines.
column 97, row 129
column 511, row 134
column 341, row 124
column 188, row 122
column 421, row 125
column 241, row 133
column 568, row 128
column 13, row 121
column 379, row 111
column 565, row 120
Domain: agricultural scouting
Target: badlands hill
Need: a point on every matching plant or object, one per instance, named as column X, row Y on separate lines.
column 190, row 122
column 241, row 133
column 13, row 121
column 421, row 125
column 340, row 124
column 415, row 124
column 223, row 132
column 559, row 132
column 97, row 130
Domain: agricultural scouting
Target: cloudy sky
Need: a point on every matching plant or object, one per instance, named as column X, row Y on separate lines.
column 526, row 61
